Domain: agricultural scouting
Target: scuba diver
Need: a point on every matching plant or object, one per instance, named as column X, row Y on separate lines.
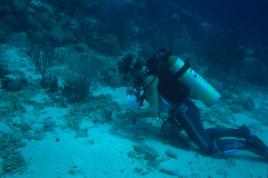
column 166, row 81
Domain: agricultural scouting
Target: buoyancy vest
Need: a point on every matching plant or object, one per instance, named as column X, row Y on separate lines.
column 173, row 91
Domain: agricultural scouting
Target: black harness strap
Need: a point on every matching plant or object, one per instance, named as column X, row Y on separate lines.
column 184, row 68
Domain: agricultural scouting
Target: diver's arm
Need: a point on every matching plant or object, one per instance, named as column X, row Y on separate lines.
column 152, row 96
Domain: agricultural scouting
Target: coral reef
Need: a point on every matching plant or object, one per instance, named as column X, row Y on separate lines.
column 42, row 56
column 50, row 83
column 113, row 27
column 12, row 160
column 75, row 90
column 86, row 66
column 147, row 156
column 14, row 82
column 14, row 163
column 9, row 143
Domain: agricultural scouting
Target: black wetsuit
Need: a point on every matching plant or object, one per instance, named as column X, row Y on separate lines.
column 184, row 111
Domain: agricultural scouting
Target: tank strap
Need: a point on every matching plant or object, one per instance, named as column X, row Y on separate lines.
column 184, row 68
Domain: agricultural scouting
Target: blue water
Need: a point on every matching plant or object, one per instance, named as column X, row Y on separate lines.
column 247, row 17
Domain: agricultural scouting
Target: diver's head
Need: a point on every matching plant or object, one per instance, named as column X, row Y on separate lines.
column 131, row 67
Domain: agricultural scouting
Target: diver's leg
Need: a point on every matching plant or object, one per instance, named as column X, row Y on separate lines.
column 188, row 116
column 225, row 147
column 250, row 141
column 228, row 146
column 241, row 132
column 170, row 131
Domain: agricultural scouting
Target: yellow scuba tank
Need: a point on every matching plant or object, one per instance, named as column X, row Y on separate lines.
column 199, row 87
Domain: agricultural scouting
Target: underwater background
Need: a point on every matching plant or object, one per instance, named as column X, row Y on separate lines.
column 61, row 95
